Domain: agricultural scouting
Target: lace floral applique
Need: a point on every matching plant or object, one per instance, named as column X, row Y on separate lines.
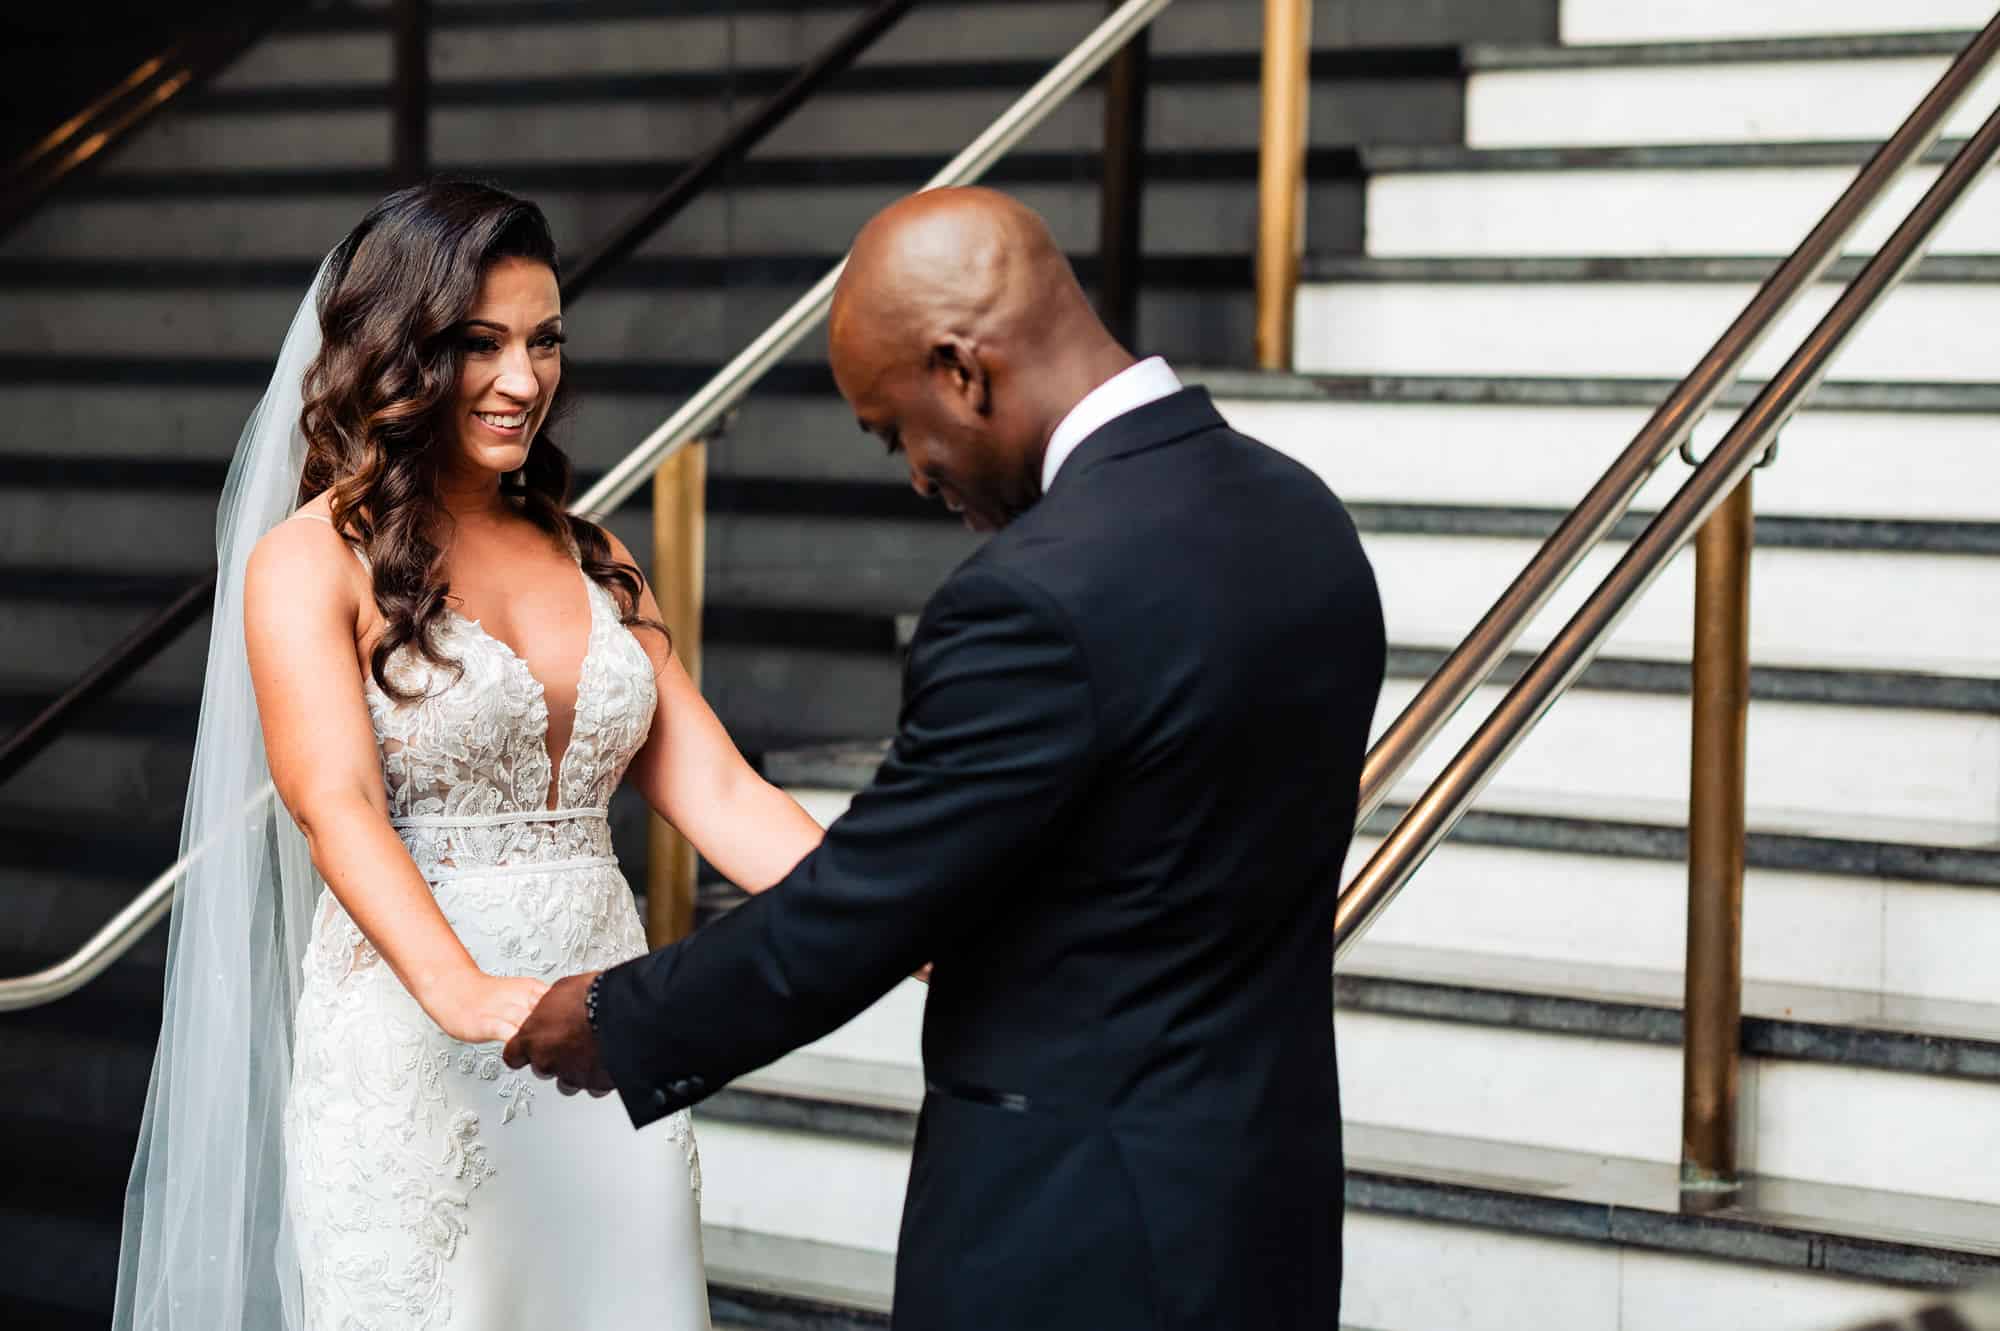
column 465, row 1156
column 368, row 1093
column 384, row 1138
column 518, row 1094
column 680, row 1128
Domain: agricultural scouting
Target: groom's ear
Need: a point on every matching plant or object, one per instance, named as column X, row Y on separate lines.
column 956, row 360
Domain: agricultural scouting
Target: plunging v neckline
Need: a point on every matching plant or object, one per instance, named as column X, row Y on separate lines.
column 552, row 796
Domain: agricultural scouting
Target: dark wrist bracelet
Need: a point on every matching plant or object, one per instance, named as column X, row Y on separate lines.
column 590, row 1001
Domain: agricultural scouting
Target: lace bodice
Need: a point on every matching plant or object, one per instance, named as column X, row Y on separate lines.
column 395, row 1130
column 467, row 767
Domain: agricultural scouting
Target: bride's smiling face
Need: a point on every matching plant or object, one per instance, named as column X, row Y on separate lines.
column 511, row 349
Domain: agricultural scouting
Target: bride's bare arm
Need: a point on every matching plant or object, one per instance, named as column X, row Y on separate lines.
column 302, row 605
column 692, row 774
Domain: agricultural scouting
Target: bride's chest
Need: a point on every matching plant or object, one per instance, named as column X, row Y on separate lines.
column 485, row 717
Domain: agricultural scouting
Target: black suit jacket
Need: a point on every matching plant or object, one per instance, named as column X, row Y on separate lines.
column 1114, row 817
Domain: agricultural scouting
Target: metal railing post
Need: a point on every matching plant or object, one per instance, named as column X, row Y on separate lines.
column 1122, row 198
column 1711, row 1047
column 680, row 538
column 410, row 92
column 1281, row 176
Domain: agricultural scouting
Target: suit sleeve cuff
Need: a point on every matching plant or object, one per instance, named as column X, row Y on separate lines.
column 633, row 1049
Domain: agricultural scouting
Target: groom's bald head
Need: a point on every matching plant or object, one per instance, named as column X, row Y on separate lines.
column 961, row 337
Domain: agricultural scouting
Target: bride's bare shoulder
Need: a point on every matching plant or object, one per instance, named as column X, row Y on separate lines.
column 304, row 557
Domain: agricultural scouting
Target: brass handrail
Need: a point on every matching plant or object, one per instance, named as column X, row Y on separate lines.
column 1475, row 659
column 694, row 420
column 83, row 140
column 1433, row 816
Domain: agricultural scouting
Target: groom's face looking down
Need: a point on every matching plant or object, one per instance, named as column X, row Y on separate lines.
column 960, row 337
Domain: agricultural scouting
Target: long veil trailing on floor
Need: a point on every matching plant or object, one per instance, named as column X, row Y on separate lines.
column 206, row 1244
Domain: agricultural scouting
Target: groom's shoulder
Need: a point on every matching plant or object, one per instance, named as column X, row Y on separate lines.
column 1030, row 565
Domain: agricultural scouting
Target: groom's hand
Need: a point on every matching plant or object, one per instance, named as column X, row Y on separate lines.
column 556, row 1040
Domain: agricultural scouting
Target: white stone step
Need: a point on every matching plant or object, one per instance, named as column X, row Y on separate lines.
column 1924, row 331
column 1827, row 763
column 1820, row 929
column 1410, row 1274
column 1735, row 101
column 766, row 1282
column 1678, row 206
column 1556, row 1077
column 1500, row 1068
column 1523, row 889
column 1817, row 608
column 1912, row 465
column 1712, row 20
column 838, row 1185
column 1804, row 1119
column 1401, row 1275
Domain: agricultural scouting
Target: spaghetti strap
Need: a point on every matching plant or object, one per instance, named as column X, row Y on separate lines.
column 321, row 517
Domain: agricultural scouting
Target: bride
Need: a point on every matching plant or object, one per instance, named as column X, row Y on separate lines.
column 446, row 677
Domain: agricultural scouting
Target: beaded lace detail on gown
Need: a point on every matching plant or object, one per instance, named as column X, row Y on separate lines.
column 393, row 1129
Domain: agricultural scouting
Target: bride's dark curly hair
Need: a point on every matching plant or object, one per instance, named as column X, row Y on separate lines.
column 378, row 417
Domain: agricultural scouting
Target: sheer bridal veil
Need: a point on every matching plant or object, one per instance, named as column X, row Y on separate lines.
column 206, row 1243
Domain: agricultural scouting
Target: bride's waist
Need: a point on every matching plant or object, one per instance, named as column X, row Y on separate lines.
column 446, row 846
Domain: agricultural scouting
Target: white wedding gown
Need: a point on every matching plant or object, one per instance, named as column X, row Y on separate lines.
column 430, row 1186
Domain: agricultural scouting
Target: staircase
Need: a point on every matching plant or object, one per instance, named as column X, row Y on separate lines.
column 1523, row 225
column 1510, row 1032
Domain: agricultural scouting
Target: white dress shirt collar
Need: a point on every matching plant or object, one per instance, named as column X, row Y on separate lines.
column 1128, row 390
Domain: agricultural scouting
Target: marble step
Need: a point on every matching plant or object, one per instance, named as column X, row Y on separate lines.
column 1439, row 1228
column 1392, row 448
column 1590, row 21
column 1646, row 200
column 1782, row 91
column 1826, row 1062
column 1861, row 909
column 1587, row 1058
column 1928, row 332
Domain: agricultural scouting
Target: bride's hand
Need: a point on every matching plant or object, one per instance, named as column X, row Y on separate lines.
column 478, row 1008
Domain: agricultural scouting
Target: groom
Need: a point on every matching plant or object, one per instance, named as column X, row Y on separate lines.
column 1114, row 817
